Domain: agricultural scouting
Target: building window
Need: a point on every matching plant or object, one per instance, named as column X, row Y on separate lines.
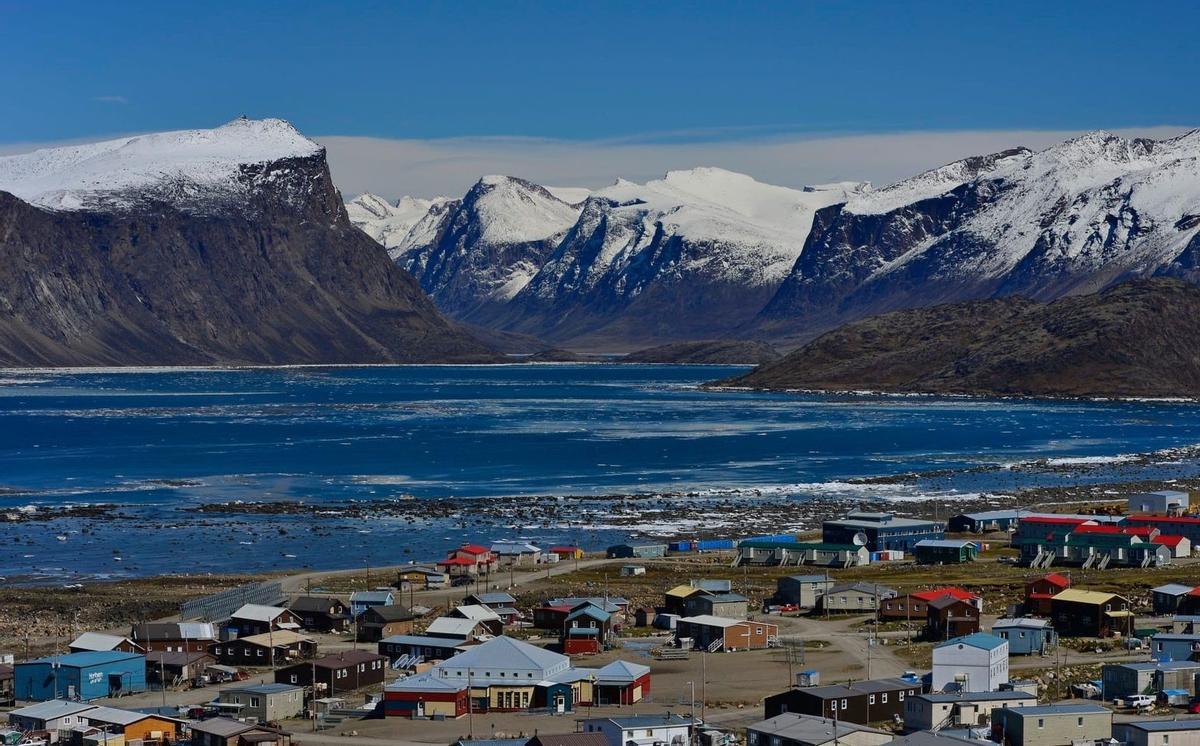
column 871, row 699
column 843, row 704
column 1078, row 722
column 1041, row 722
column 884, row 695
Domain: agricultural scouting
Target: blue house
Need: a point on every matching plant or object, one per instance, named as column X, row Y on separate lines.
column 84, row 676
column 360, row 601
column 879, row 531
column 1173, row 646
column 1026, row 636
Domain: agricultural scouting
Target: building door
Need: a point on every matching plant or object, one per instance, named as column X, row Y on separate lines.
column 560, row 704
column 420, row 708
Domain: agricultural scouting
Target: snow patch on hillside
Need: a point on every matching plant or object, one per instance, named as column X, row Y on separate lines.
column 391, row 225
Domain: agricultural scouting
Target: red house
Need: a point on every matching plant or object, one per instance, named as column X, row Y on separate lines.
column 469, row 559
column 1038, row 593
column 621, row 683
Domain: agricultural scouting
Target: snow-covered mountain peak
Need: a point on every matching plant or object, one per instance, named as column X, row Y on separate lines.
column 513, row 210
column 932, row 183
column 183, row 166
column 392, row 225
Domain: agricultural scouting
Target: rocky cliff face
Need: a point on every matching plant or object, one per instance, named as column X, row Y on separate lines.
column 1075, row 218
column 1137, row 339
column 224, row 246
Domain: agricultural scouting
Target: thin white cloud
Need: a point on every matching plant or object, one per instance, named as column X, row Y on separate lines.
column 395, row 167
column 111, row 99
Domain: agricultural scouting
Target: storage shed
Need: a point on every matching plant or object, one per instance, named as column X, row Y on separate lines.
column 944, row 552
column 641, row 551
column 83, row 676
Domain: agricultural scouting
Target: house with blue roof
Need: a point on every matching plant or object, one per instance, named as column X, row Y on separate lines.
column 972, row 663
column 360, row 601
column 80, row 676
column 1026, row 635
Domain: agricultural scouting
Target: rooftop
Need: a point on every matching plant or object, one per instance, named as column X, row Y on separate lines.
column 808, row 728
column 1163, row 725
column 1070, row 708
column 98, row 641
column 87, row 658
column 1080, row 596
column 52, row 709
column 976, row 696
column 649, row 721
column 981, row 640
column 708, row 620
column 257, row 612
column 264, row 688
column 115, row 716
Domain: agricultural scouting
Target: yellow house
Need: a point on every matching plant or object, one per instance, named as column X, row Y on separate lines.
column 133, row 726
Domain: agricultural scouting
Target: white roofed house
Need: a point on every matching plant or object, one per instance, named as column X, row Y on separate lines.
column 56, row 716
column 486, row 618
column 516, row 553
column 714, row 633
column 256, row 619
column 98, row 641
column 667, row 729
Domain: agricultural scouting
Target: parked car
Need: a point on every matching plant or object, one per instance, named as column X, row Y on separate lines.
column 1194, row 708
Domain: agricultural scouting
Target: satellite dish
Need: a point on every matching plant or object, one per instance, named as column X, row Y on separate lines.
column 860, row 539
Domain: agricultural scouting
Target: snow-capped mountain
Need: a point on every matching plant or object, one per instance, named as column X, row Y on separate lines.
column 194, row 170
column 473, row 255
column 227, row 245
column 390, row 224
column 692, row 255
column 1074, row 218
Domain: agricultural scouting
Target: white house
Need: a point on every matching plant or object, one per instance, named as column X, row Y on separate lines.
column 642, row 730
column 1163, row 501
column 972, row 663
column 56, row 715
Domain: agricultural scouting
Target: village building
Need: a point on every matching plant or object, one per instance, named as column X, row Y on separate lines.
column 1157, row 732
column 378, row 622
column 1175, row 646
column 83, row 676
column 632, row 571
column 56, row 716
column 256, row 619
column 586, row 630
column 619, row 683
column 1148, row 677
column 951, row 617
column 636, row 551
column 960, row 709
column 129, row 726
column 1180, row 546
column 100, row 642
column 223, row 731
column 855, row 597
column 1051, row 725
column 360, row 601
column 1173, row 525
column 1026, row 635
column 784, row 551
column 551, row 618
column 321, row 613
column 880, row 531
column 516, row 553
column 566, row 551
column 668, row 729
column 410, row 650
column 914, row 607
column 176, row 668
column 265, row 703
column 793, row 729
column 1189, row 605
column 483, row 617
column 564, row 739
column 340, row 672
column 870, row 701
column 729, row 605
column 718, row 634
column 1171, row 502
column 1039, row 591
column 267, row 649
column 1185, row 623
column 7, row 695
column 458, row 630
column 944, row 551
column 422, row 577
column 1166, row 598
column 494, row 600
column 675, row 599
column 469, row 560
column 973, row 663
column 191, row 637
column 803, row 591
column 1080, row 613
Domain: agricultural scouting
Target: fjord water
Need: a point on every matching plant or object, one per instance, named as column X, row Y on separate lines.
column 159, row 443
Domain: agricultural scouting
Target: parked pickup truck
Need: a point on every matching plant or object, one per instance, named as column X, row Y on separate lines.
column 1136, row 702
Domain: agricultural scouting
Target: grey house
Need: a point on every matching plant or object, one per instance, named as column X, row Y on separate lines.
column 1051, row 725
column 266, row 703
column 1158, row 732
column 1166, row 598
column 1148, row 677
column 803, row 590
column 960, row 709
column 728, row 605
column 793, row 729
column 855, row 597
column 630, row 551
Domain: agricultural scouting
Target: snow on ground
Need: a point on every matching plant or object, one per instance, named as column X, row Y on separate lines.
column 390, row 225
column 82, row 176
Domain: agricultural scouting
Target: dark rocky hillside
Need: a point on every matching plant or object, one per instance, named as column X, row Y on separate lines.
column 712, row 352
column 1140, row 338
column 278, row 277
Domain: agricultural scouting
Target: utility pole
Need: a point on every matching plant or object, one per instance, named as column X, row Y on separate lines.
column 470, row 707
column 703, row 686
column 692, row 716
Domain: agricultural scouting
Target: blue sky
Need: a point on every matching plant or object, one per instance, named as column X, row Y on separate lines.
column 612, row 73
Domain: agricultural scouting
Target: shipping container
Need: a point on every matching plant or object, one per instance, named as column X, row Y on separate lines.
column 680, row 546
column 710, row 545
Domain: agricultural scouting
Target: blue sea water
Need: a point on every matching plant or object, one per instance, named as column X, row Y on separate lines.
column 160, row 442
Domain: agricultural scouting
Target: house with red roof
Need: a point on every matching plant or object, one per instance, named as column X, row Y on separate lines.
column 1180, row 546
column 565, row 552
column 946, row 611
column 1039, row 591
column 1173, row 525
column 469, row 559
